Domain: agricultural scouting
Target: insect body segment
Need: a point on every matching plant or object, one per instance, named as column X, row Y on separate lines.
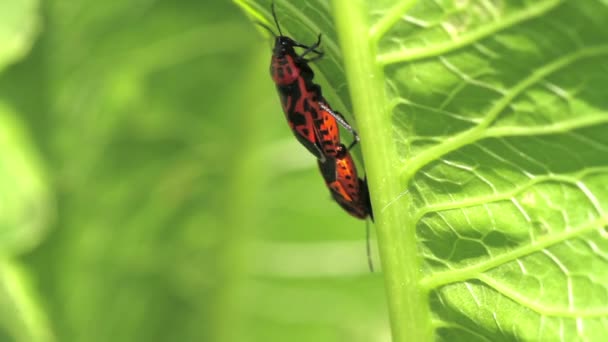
column 328, row 129
column 346, row 188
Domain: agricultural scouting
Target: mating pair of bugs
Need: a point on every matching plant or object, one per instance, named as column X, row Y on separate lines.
column 314, row 123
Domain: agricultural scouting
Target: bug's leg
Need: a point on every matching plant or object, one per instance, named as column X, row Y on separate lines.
column 317, row 57
column 352, row 144
column 312, row 48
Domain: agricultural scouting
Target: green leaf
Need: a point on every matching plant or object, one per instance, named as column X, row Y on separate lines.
column 25, row 218
column 20, row 311
column 26, row 201
column 179, row 187
column 18, row 26
column 483, row 129
column 26, row 206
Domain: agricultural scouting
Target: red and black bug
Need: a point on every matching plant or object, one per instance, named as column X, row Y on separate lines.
column 310, row 117
column 348, row 189
column 345, row 186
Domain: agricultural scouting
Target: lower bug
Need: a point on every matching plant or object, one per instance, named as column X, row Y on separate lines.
column 346, row 188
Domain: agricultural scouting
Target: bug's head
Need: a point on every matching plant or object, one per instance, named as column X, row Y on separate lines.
column 283, row 45
column 284, row 67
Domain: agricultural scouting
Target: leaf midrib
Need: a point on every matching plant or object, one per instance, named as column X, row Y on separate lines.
column 409, row 310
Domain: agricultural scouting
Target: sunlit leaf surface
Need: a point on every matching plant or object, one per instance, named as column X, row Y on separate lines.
column 19, row 23
column 499, row 116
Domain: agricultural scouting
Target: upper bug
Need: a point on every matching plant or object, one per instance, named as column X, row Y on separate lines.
column 310, row 117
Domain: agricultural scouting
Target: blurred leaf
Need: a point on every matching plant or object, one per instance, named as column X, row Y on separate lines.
column 483, row 132
column 20, row 312
column 25, row 199
column 140, row 130
column 27, row 208
column 159, row 124
column 18, row 27
column 25, row 203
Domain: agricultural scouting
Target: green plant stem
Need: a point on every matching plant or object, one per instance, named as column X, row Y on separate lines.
column 408, row 305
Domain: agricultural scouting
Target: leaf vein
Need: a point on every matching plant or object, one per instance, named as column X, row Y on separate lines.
column 540, row 308
column 475, row 270
column 465, row 40
column 477, row 132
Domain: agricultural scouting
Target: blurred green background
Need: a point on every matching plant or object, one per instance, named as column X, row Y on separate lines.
column 152, row 190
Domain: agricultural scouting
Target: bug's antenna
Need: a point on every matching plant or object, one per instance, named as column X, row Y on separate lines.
column 274, row 16
column 266, row 27
column 368, row 248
